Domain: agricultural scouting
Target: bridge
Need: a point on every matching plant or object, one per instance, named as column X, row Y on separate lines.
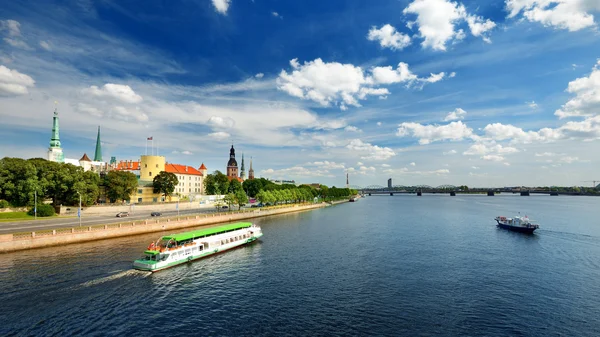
column 451, row 189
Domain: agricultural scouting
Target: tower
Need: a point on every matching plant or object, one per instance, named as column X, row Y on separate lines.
column 347, row 181
column 243, row 172
column 232, row 168
column 251, row 171
column 98, row 154
column 55, row 152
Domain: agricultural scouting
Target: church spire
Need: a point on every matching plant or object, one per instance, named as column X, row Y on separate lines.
column 98, row 154
column 55, row 151
column 243, row 173
column 251, row 171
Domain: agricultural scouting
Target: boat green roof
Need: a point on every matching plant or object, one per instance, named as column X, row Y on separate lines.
column 151, row 252
column 208, row 231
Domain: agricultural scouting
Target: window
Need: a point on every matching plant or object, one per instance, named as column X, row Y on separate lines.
column 139, row 199
column 139, row 191
column 156, row 165
column 154, row 199
column 150, row 174
column 145, row 165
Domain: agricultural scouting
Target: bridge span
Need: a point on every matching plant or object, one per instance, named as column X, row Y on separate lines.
column 453, row 190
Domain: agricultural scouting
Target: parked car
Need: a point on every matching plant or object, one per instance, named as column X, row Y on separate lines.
column 122, row 214
column 155, row 214
column 224, row 207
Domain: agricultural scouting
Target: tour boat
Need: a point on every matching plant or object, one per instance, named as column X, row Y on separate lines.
column 517, row 224
column 171, row 250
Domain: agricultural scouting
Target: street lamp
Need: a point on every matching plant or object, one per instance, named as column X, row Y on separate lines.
column 79, row 211
column 35, row 205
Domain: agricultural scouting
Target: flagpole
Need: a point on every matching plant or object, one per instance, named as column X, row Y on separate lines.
column 157, row 147
column 146, row 146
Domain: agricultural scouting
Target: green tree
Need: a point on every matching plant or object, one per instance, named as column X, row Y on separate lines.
column 241, row 198
column 88, row 185
column 229, row 199
column 165, row 183
column 120, row 185
column 216, row 181
column 234, row 186
column 253, row 186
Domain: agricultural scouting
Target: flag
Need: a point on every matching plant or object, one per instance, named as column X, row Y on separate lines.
column 149, row 138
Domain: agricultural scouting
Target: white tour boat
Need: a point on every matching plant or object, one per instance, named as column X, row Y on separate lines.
column 175, row 249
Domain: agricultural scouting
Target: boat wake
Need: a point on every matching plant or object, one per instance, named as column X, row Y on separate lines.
column 124, row 273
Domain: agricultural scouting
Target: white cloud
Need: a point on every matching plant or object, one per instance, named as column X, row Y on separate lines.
column 587, row 96
column 573, row 15
column 219, row 135
column 457, row 114
column 378, row 123
column 482, row 149
column 46, row 45
column 493, row 157
column 187, row 153
column 14, row 83
column 120, row 92
column 327, row 165
column 475, row 167
column 11, row 26
column 532, row 104
column 432, row 133
column 361, row 163
column 389, row 37
column 221, row 6
column 545, row 154
column 259, row 75
column 568, row 160
column 351, row 128
column 437, row 20
column 17, row 43
column 446, row 153
column 128, row 114
column 413, row 164
column 498, row 131
column 406, row 171
column 369, row 151
column 344, row 84
column 277, row 15
column 295, row 172
column 221, row 122
column 385, row 165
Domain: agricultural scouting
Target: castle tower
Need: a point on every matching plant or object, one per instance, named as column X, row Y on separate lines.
column 55, row 152
column 203, row 169
column 251, row 171
column 232, row 168
column 151, row 166
column 98, row 154
column 243, row 173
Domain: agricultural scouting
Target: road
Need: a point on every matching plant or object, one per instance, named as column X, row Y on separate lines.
column 55, row 223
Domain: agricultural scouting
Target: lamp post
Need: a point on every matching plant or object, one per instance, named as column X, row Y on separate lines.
column 35, row 205
column 79, row 211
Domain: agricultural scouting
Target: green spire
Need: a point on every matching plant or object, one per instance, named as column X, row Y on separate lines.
column 98, row 155
column 243, row 174
column 55, row 140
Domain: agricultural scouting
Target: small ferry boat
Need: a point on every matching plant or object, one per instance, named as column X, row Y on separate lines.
column 352, row 199
column 171, row 250
column 517, row 224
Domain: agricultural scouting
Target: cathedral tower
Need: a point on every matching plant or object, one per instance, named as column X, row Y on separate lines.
column 243, row 172
column 98, row 154
column 55, row 152
column 232, row 168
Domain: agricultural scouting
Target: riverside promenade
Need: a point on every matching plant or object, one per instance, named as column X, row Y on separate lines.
column 63, row 236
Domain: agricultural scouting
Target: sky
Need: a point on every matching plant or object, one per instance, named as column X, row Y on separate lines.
column 426, row 92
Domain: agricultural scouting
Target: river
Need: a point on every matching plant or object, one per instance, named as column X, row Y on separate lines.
column 384, row 266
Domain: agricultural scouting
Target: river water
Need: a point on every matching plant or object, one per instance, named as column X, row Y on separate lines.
column 385, row 266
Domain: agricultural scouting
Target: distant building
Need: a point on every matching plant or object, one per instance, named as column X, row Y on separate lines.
column 243, row 172
column 390, row 183
column 232, row 168
column 282, row 182
column 251, row 171
column 55, row 152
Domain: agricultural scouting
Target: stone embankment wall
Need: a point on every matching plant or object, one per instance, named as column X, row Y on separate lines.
column 63, row 236
column 137, row 209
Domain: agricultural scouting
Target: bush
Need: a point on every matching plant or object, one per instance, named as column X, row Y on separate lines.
column 43, row 210
column 4, row 204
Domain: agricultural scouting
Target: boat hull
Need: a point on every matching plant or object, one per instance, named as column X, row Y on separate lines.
column 520, row 229
column 151, row 266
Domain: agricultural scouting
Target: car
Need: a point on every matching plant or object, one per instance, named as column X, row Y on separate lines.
column 122, row 214
column 253, row 206
column 224, row 207
column 155, row 214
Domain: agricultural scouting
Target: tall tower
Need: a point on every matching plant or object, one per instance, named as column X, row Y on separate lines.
column 347, row 181
column 251, row 171
column 232, row 168
column 243, row 172
column 55, row 152
column 98, row 154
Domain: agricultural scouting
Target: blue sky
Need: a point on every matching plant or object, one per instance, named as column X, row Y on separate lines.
column 423, row 91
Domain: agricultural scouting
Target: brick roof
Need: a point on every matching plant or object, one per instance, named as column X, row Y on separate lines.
column 127, row 166
column 85, row 158
column 181, row 169
column 202, row 167
column 238, row 178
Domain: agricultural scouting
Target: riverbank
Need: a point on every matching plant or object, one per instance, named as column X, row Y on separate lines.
column 63, row 236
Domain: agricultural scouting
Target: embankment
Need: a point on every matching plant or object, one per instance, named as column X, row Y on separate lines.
column 63, row 236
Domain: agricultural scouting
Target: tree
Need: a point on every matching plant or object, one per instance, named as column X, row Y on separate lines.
column 88, row 185
column 229, row 199
column 216, row 181
column 234, row 186
column 120, row 185
column 241, row 199
column 253, row 186
column 165, row 183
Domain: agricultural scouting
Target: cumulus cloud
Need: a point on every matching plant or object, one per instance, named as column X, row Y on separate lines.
column 128, row 114
column 532, row 104
column 413, row 164
column 14, row 83
column 189, row 153
column 437, row 21
column 433, row 133
column 259, row 75
column 120, row 92
column 389, row 37
column 572, row 15
column 369, row 151
column 46, row 45
column 351, row 128
column 326, row 165
column 17, row 43
column 587, row 96
column 493, row 157
column 482, row 149
column 221, row 6
column 545, row 154
column 12, row 27
column 457, row 114
column 221, row 122
column 344, row 84
column 219, row 135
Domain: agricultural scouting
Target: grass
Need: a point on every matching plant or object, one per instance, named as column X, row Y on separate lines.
column 19, row 216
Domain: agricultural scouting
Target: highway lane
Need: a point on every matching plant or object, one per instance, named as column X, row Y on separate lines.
column 64, row 222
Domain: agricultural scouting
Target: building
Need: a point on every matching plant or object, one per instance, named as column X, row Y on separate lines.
column 98, row 153
column 191, row 180
column 232, row 168
column 251, row 171
column 55, row 152
column 243, row 172
column 282, row 182
column 390, row 183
